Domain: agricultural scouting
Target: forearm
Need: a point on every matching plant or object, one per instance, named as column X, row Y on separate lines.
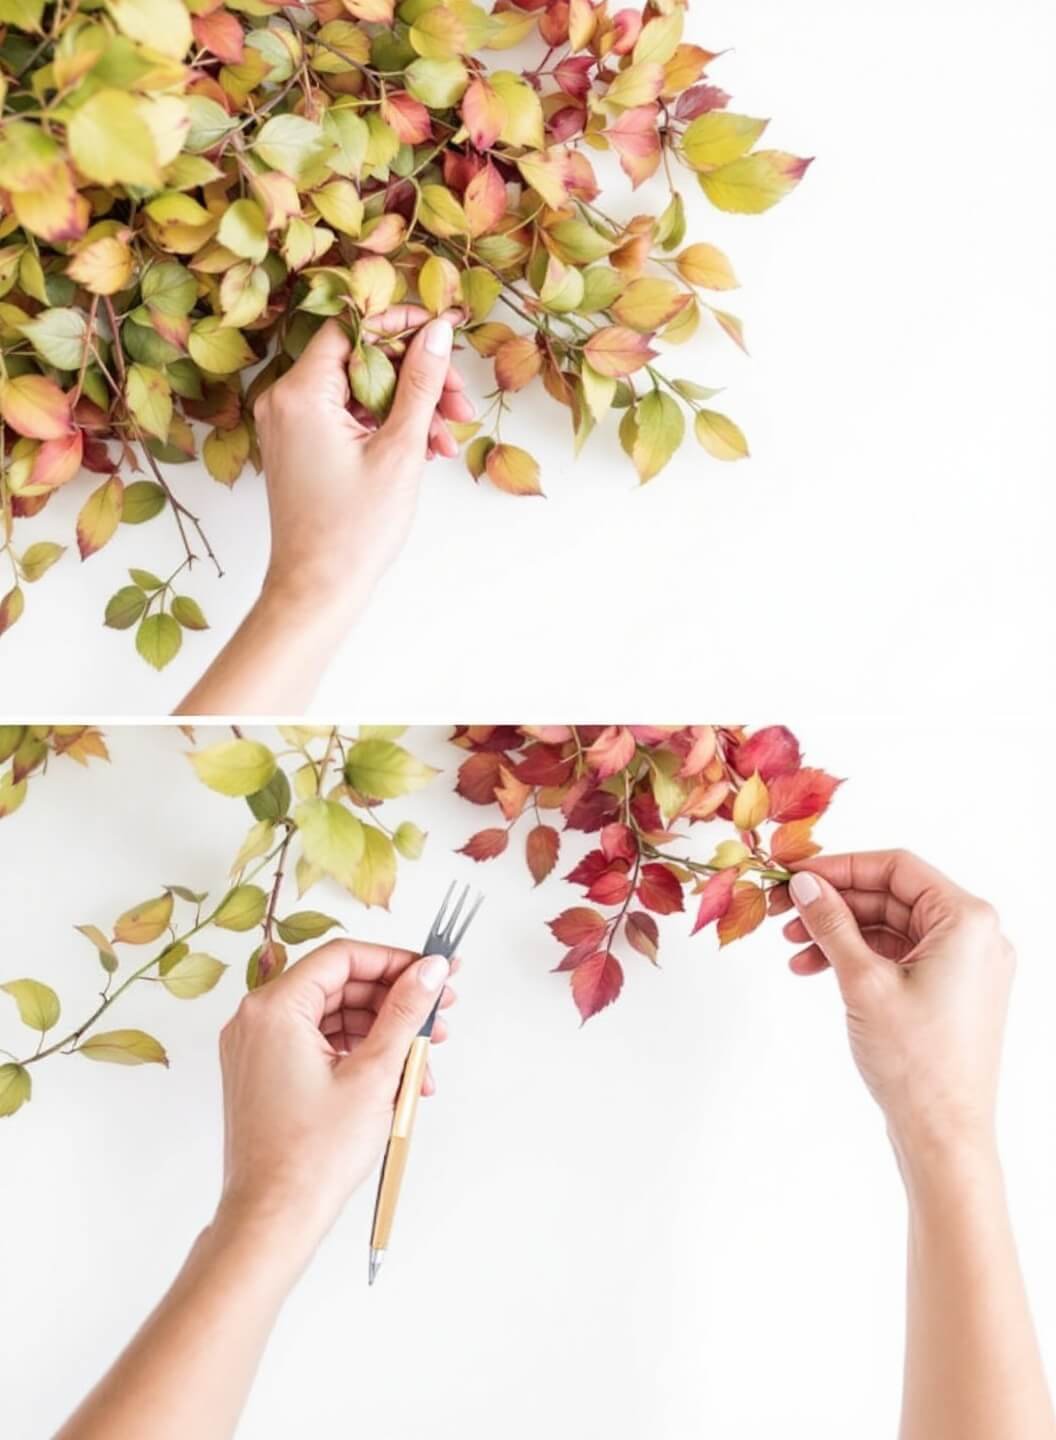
column 275, row 660
column 973, row 1370
column 189, row 1369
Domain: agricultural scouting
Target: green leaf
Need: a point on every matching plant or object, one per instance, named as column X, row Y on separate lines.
column 292, row 144
column 332, row 838
column 169, row 288
column 37, row 559
column 149, row 399
column 146, row 580
column 124, row 1047
column 38, row 1005
column 25, row 15
column 158, row 640
column 111, row 143
column 305, row 925
column 271, row 801
column 717, row 138
column 257, row 843
column 241, row 908
column 172, row 955
column 373, row 380
column 16, row 1088
column 661, row 430
column 439, row 84
column 188, row 613
column 409, row 840
column 125, row 607
column 58, row 337
column 235, row 767
column 218, row 350
column 192, row 976
column 210, row 122
column 382, row 770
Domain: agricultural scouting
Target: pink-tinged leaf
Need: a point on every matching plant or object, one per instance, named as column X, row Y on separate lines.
column 99, row 516
column 611, row 752
column 705, row 800
column 652, row 734
column 794, row 841
column 486, row 844
column 479, row 777
column 566, row 123
column 484, row 113
column 611, row 888
column 618, row 842
column 549, row 734
column 407, row 117
column 57, row 460
column 572, row 74
column 659, row 890
column 700, row 750
column 484, row 200
column 575, row 957
column 801, row 793
column 35, row 407
column 626, row 26
column 715, row 898
column 732, row 326
column 541, row 850
column 221, row 34
column 746, row 912
column 642, row 934
column 596, row 983
column 11, row 608
column 582, row 182
column 699, row 101
column 772, row 751
column 616, row 351
column 374, row 12
column 636, row 140
column 579, row 925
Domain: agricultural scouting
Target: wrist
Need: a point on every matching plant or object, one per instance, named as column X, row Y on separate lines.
column 305, row 596
column 269, row 1239
column 939, row 1163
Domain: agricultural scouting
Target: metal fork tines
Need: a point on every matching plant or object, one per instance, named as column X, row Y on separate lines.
column 444, row 938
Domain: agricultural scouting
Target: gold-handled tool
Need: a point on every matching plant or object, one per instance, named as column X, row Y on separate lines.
column 444, row 937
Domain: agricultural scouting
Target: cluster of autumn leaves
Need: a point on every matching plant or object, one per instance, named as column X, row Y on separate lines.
column 641, row 789
column 187, row 189
column 314, row 799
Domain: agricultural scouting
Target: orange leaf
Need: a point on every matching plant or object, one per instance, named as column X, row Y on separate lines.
column 512, row 794
column 36, row 407
column 99, row 516
column 485, row 844
column 221, row 34
column 484, row 200
column 794, row 841
column 57, row 461
column 513, row 470
column 579, row 925
column 517, row 363
column 746, row 913
column 616, row 351
column 407, row 116
column 541, row 851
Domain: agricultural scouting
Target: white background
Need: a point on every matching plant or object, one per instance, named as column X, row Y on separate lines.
column 681, row 1220
column 889, row 543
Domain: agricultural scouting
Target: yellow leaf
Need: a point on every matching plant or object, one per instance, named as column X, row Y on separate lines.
column 38, row 1005
column 719, row 436
column 752, row 805
column 706, row 266
column 241, row 908
column 16, row 1088
column 99, row 516
column 225, row 453
column 332, row 838
column 104, row 266
column 192, row 976
column 124, row 1047
column 218, row 350
column 381, row 770
column 256, row 843
column 340, row 206
column 234, row 767
column 144, row 922
column 375, row 876
column 149, row 399
column 755, row 182
column 159, row 24
column 111, row 142
column 718, row 137
column 243, row 230
column 661, row 428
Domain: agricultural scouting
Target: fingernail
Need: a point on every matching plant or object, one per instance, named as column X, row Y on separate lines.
column 804, row 888
column 433, row 972
column 439, row 337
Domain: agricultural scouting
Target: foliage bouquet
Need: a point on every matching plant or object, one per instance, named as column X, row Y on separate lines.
column 188, row 187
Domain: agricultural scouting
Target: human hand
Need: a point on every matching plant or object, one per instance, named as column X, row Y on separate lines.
column 342, row 495
column 311, row 1065
column 925, row 975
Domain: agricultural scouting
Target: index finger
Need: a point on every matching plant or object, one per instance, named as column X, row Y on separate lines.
column 315, row 985
column 904, row 875
column 398, row 318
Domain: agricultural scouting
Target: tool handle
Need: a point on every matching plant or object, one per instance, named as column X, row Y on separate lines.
column 395, row 1162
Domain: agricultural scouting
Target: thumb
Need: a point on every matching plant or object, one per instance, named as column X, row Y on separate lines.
column 828, row 920
column 404, row 1011
column 421, row 384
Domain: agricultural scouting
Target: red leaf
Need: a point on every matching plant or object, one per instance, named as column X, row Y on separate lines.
column 642, row 934
column 773, row 751
column 221, row 34
column 541, row 850
column 486, row 844
column 579, row 926
column 479, row 778
column 596, row 983
column 612, row 751
column 715, row 898
column 612, row 888
column 589, row 868
column 659, row 890
column 747, row 912
column 801, row 794
column 572, row 75
column 575, row 957
column 543, row 765
column 646, row 811
column 618, row 843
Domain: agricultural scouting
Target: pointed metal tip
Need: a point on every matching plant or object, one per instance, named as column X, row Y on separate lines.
column 376, row 1257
